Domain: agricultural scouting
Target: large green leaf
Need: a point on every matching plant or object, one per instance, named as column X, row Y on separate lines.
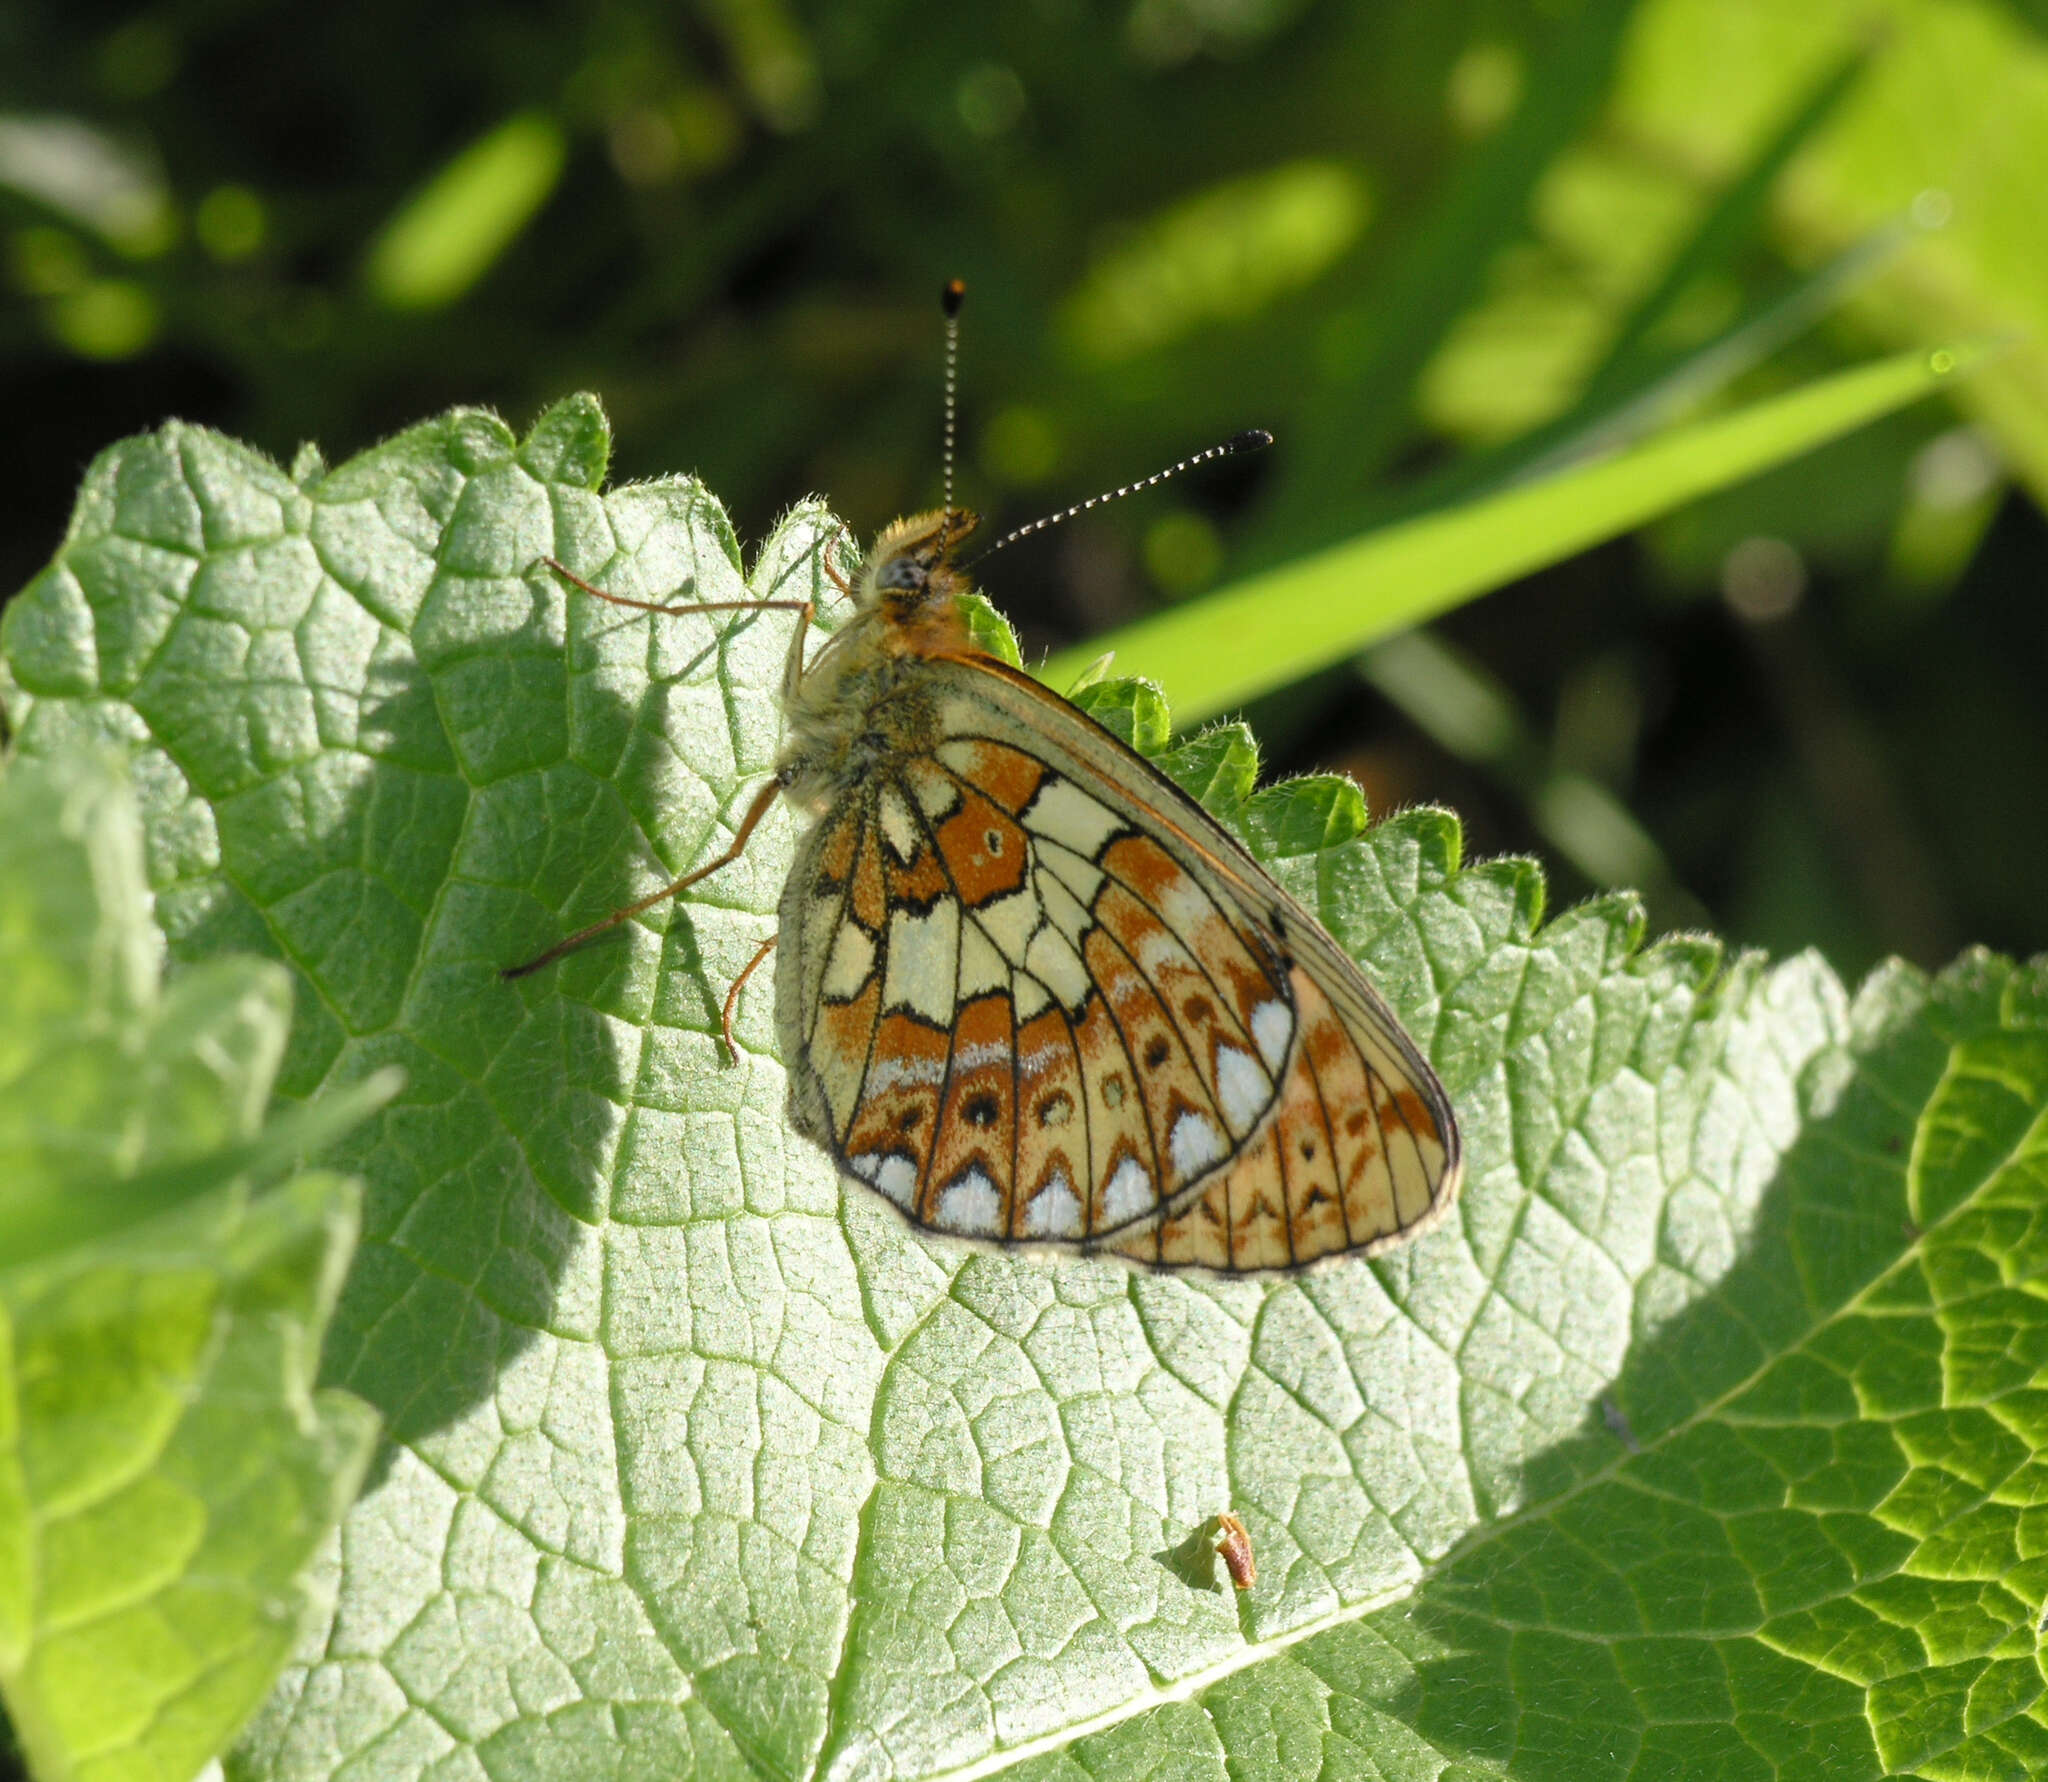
column 1800, row 1535
column 166, row 1468
column 705, row 1466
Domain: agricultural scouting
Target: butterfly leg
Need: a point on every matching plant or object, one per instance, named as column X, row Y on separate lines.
column 793, row 667
column 683, row 607
column 793, row 663
column 751, row 821
column 732, row 996
column 832, row 569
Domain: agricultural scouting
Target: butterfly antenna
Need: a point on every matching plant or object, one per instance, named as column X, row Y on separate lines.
column 950, row 300
column 1252, row 439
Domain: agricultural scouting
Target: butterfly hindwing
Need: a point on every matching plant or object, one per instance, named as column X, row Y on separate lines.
column 1054, row 1032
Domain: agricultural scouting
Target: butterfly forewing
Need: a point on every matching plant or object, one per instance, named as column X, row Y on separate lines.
column 1358, row 1156
column 1361, row 1150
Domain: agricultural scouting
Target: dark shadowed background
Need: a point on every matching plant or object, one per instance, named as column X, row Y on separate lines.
column 1419, row 241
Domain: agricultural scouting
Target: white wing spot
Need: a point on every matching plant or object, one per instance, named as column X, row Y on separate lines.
column 899, row 829
column 1195, row 1145
column 1058, row 967
column 853, row 957
column 1183, row 905
column 1041, row 1060
column 1055, row 1210
column 1068, row 815
column 982, row 968
column 904, row 1073
column 1082, row 877
column 971, row 1206
column 1009, row 922
column 936, row 795
column 1272, row 1028
column 1129, row 1193
column 1242, row 1087
column 924, row 953
column 889, row 1173
column 1158, row 952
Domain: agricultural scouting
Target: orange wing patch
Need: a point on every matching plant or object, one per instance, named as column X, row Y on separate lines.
column 971, row 1168
column 1052, row 1170
column 985, row 852
column 869, row 905
column 1007, row 775
column 1350, row 1161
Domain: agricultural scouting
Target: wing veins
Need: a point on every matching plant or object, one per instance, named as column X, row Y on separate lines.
column 1414, row 1144
column 953, row 1026
column 1181, row 1035
column 1329, row 1126
column 1185, row 1196
column 1372, row 1077
column 1010, row 1187
column 860, row 836
column 1151, row 1137
column 1087, row 1114
column 1282, row 986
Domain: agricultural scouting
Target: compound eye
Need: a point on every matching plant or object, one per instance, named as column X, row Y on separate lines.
column 901, row 572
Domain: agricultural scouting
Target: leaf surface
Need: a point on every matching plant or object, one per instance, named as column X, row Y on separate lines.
column 166, row 1467
column 706, row 1466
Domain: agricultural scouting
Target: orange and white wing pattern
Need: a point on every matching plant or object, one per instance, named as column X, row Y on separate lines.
column 1360, row 1155
column 1013, row 1012
column 1033, row 993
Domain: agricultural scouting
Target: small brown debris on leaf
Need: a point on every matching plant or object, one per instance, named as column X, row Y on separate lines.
column 1234, row 1544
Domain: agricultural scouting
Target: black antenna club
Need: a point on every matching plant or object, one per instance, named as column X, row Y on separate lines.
column 950, row 300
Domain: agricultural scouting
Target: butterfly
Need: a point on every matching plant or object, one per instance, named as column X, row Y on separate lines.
column 1030, row 992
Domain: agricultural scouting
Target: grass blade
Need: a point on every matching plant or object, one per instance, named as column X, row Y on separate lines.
column 1275, row 627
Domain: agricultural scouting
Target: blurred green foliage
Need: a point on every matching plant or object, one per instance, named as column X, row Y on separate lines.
column 1434, row 247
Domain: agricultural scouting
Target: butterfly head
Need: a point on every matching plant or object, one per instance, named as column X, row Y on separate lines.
column 911, row 572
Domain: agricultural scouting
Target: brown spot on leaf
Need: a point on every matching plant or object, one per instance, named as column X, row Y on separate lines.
column 1234, row 1548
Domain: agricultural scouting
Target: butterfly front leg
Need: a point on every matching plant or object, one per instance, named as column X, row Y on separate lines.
column 732, row 997
column 792, row 677
column 793, row 663
column 806, row 611
column 748, row 824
